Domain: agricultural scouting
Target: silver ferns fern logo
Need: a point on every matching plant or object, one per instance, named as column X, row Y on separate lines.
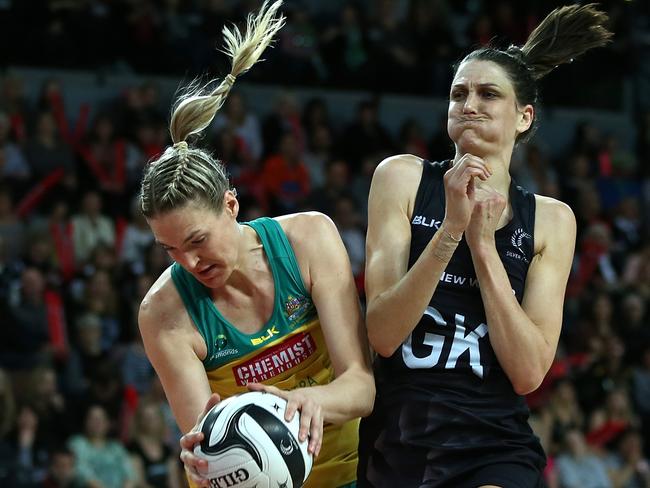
column 517, row 241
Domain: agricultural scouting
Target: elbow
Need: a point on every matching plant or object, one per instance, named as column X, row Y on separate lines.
column 368, row 405
column 530, row 376
column 367, row 411
column 379, row 340
column 364, row 390
column 381, row 345
column 528, row 383
column 523, row 388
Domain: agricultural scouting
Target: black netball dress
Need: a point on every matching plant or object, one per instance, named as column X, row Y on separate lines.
column 445, row 409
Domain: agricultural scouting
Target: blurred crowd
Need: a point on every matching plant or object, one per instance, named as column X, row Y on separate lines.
column 380, row 45
column 80, row 404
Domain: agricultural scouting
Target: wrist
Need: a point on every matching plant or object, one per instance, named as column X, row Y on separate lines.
column 445, row 244
column 482, row 248
column 451, row 232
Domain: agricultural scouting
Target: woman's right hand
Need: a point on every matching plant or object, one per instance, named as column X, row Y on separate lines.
column 459, row 191
column 194, row 465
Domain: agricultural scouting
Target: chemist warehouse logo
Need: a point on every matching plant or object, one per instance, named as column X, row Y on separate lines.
column 276, row 360
column 517, row 241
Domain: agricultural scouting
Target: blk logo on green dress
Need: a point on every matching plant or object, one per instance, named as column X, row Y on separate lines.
column 270, row 332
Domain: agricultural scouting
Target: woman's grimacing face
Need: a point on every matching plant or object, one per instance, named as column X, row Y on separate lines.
column 202, row 241
column 483, row 116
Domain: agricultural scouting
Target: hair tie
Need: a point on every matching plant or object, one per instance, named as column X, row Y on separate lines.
column 180, row 145
column 229, row 80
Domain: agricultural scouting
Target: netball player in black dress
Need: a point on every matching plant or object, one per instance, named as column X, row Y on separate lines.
column 465, row 279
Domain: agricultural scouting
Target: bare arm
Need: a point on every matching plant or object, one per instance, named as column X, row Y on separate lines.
column 326, row 272
column 524, row 337
column 333, row 291
column 169, row 347
column 397, row 298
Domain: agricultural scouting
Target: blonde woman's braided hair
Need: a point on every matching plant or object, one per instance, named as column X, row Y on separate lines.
column 183, row 173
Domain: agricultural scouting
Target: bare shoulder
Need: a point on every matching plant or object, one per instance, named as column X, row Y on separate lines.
column 406, row 167
column 308, row 229
column 555, row 221
column 315, row 240
column 395, row 185
column 162, row 306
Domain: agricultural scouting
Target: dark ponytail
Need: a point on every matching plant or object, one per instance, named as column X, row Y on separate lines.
column 564, row 34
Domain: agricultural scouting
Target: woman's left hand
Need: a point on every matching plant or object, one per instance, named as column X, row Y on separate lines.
column 488, row 207
column 311, row 416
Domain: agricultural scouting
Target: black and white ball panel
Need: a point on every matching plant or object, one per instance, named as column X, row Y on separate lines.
column 248, row 443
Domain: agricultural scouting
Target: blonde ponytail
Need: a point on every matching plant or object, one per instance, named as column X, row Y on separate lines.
column 184, row 174
column 195, row 110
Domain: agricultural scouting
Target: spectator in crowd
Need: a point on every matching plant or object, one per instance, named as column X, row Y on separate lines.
column 58, row 226
column 156, row 396
column 634, row 326
column 608, row 422
column 243, row 123
column 536, row 174
column 7, row 404
column 411, row 139
column 137, row 371
column 578, row 467
column 30, row 448
column 627, row 226
column 627, row 466
column 46, row 152
column 152, row 458
column 393, row 46
column 636, row 272
column 104, row 154
column 137, row 238
column 61, row 472
column 245, row 170
column 337, row 184
column 12, row 228
column 433, row 44
column 299, row 56
column 47, row 401
column 101, row 460
column 91, row 227
column 13, row 164
column 319, row 152
column 25, row 324
column 286, row 178
column 284, row 118
column 640, row 392
column 366, row 135
column 348, row 222
column 360, row 187
column 347, row 50
column 562, row 413
column 315, row 114
column 15, row 104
